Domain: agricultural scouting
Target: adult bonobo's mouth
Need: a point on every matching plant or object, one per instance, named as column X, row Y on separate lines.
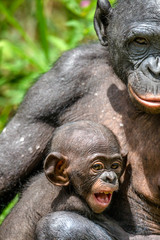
column 150, row 104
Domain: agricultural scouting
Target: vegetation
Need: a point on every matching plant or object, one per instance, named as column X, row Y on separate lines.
column 34, row 33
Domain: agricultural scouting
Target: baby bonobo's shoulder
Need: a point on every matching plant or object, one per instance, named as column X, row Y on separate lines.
column 70, row 201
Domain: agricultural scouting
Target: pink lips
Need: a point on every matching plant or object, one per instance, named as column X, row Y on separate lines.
column 152, row 103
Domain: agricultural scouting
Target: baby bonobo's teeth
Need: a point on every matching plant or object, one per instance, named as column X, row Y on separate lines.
column 107, row 192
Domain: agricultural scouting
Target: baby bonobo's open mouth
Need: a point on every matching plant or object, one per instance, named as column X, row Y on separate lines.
column 103, row 198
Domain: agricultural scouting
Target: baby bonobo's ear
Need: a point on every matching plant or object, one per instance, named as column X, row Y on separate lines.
column 55, row 167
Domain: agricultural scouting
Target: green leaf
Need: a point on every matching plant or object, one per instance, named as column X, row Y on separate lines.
column 7, row 210
column 42, row 28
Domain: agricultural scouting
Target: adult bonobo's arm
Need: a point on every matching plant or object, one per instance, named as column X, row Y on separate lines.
column 70, row 225
column 23, row 141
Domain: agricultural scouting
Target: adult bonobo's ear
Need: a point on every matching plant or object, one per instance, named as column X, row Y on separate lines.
column 101, row 17
column 55, row 167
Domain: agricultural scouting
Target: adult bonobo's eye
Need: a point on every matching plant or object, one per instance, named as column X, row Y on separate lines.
column 138, row 47
column 115, row 165
column 97, row 166
column 140, row 41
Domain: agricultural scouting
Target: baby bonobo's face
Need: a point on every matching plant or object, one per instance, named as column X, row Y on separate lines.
column 98, row 172
column 104, row 173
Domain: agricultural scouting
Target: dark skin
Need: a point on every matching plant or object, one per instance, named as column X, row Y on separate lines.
column 88, row 175
column 116, row 84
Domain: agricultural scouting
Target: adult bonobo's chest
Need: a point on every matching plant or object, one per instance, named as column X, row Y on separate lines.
column 137, row 205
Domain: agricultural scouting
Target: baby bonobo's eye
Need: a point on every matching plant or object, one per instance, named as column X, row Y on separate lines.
column 115, row 165
column 97, row 166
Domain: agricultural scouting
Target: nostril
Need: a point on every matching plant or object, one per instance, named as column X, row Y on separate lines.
column 157, row 61
column 153, row 66
column 108, row 179
column 111, row 179
column 154, row 74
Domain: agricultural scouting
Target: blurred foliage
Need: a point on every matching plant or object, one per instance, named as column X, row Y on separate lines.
column 33, row 34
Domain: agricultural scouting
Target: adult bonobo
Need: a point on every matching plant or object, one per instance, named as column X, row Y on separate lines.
column 118, row 85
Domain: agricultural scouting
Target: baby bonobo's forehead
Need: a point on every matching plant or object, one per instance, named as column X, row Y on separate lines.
column 84, row 137
column 91, row 142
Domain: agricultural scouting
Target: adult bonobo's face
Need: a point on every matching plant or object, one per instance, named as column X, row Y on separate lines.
column 143, row 45
column 132, row 33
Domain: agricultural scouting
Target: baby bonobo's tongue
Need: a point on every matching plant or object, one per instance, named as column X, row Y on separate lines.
column 103, row 197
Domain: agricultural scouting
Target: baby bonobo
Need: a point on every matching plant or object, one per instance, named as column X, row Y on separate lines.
column 85, row 161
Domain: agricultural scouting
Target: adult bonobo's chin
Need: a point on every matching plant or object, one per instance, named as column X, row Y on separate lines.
column 117, row 85
column 133, row 39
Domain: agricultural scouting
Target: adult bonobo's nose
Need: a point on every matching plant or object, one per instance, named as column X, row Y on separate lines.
column 152, row 65
column 109, row 177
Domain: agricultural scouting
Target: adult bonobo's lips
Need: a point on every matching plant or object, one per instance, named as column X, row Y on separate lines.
column 152, row 104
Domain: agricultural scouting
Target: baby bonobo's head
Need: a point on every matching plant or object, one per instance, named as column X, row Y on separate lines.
column 87, row 156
